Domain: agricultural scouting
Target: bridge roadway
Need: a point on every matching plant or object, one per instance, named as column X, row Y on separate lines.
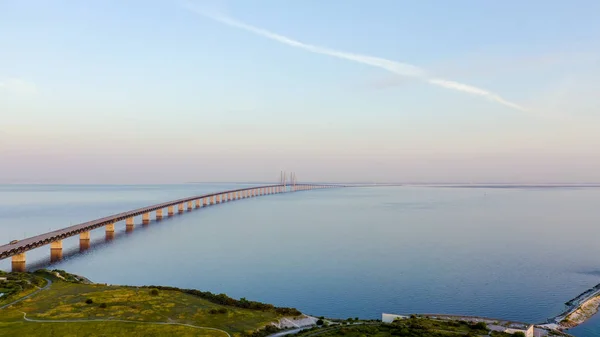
column 18, row 249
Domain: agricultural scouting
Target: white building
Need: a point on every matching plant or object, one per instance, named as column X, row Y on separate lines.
column 527, row 330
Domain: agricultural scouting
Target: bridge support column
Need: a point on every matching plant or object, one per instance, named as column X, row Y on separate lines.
column 129, row 224
column 230, row 196
column 225, row 197
column 56, row 250
column 213, row 200
column 171, row 210
column 84, row 241
column 110, row 231
column 146, row 218
column 159, row 214
column 189, row 206
column 205, row 202
column 197, row 203
column 180, row 208
column 18, row 263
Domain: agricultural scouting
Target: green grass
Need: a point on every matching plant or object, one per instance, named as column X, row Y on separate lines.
column 99, row 329
column 66, row 300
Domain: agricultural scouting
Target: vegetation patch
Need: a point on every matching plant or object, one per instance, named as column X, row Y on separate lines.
column 73, row 298
column 17, row 285
column 412, row 327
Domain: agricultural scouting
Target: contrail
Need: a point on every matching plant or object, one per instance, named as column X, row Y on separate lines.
column 398, row 68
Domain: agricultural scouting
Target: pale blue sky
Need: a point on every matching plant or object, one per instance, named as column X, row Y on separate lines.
column 151, row 91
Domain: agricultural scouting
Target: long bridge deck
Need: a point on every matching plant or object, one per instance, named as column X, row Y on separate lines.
column 17, row 250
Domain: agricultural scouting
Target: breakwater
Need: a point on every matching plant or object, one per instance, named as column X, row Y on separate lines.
column 579, row 309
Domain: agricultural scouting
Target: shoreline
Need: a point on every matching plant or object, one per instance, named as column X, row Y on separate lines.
column 580, row 309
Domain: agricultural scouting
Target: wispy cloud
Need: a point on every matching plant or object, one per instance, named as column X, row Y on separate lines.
column 398, row 68
column 17, row 86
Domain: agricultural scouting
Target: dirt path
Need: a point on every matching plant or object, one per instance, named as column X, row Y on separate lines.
column 117, row 320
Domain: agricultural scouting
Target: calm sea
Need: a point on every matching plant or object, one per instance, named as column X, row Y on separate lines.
column 514, row 253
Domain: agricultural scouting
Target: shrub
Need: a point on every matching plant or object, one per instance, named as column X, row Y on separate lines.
column 89, row 301
column 217, row 311
column 320, row 322
column 154, row 292
column 480, row 326
column 102, row 306
column 519, row 334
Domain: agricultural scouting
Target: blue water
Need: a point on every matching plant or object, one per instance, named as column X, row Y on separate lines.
column 512, row 253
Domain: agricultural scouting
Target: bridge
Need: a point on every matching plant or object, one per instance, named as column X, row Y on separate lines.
column 17, row 250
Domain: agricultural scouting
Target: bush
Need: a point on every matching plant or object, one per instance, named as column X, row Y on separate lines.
column 89, row 301
column 480, row 326
column 519, row 334
column 154, row 292
column 217, row 311
column 102, row 306
column 268, row 330
column 320, row 322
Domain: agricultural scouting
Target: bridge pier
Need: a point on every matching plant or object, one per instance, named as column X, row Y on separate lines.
column 197, row 203
column 84, row 241
column 18, row 263
column 180, row 208
column 56, row 251
column 159, row 214
column 189, row 206
column 205, row 202
column 146, row 218
column 213, row 200
column 110, row 231
column 231, row 196
column 171, row 210
column 129, row 224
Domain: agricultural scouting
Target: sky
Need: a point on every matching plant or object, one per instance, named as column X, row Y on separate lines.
column 161, row 91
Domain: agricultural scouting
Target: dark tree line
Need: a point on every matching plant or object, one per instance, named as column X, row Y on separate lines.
column 226, row 300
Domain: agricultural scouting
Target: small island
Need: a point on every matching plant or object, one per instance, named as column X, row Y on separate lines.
column 57, row 303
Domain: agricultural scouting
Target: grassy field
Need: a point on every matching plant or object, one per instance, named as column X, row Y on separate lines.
column 77, row 301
